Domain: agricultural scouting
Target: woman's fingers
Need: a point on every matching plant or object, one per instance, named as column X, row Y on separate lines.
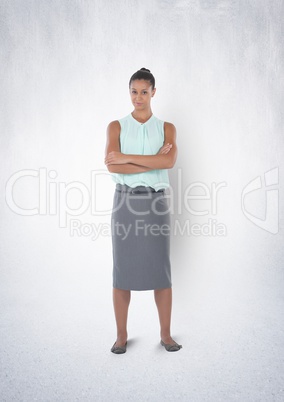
column 165, row 149
column 108, row 159
column 115, row 157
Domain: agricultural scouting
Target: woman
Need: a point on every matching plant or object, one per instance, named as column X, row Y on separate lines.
column 139, row 151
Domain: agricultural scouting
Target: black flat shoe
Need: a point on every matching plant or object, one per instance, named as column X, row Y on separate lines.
column 118, row 349
column 171, row 348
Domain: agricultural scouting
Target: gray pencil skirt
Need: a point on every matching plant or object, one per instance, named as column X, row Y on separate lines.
column 140, row 227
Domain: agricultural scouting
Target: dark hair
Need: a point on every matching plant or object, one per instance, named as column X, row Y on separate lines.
column 143, row 74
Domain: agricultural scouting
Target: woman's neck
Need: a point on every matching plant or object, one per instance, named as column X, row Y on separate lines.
column 142, row 115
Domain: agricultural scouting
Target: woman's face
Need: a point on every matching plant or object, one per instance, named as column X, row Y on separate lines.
column 141, row 93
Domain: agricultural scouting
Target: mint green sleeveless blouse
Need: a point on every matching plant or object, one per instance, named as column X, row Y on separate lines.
column 142, row 139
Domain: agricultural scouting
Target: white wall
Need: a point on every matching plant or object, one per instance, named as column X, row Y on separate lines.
column 65, row 67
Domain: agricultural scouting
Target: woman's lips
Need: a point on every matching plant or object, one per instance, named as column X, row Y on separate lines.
column 139, row 104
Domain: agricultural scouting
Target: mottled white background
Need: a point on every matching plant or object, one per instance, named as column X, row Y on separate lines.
column 65, row 67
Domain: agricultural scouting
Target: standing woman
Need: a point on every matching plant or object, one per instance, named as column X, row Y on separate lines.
column 139, row 151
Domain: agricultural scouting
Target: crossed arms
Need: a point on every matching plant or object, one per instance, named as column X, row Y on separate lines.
column 117, row 162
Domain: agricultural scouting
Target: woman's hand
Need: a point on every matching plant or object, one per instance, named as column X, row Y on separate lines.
column 165, row 149
column 115, row 157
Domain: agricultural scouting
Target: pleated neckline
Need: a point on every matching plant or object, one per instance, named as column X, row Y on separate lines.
column 139, row 122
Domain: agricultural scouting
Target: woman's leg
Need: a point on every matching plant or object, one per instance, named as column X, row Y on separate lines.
column 121, row 300
column 163, row 299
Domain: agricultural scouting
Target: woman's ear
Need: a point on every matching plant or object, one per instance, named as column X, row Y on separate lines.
column 153, row 92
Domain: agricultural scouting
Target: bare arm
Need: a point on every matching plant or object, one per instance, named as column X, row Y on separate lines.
column 159, row 161
column 127, row 168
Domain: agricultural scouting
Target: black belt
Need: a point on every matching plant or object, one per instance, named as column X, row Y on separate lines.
column 124, row 188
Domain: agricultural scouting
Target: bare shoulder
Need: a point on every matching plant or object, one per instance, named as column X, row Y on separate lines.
column 169, row 128
column 113, row 127
column 112, row 137
column 169, row 125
